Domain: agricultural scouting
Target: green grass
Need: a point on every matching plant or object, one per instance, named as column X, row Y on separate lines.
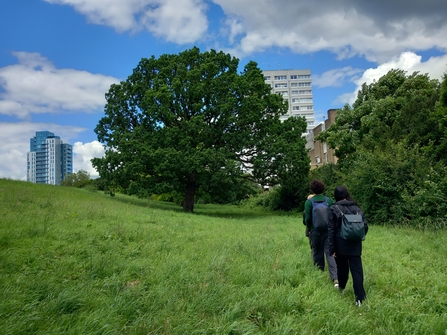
column 74, row 261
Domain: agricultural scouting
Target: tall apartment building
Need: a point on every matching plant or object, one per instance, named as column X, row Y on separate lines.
column 296, row 87
column 49, row 159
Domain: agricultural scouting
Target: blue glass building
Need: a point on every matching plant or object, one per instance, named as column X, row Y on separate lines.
column 49, row 159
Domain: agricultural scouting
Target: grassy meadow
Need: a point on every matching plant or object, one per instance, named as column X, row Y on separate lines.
column 74, row 261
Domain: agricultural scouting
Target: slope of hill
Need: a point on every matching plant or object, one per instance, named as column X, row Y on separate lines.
column 74, row 261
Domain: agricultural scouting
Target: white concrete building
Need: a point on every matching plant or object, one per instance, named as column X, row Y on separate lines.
column 296, row 87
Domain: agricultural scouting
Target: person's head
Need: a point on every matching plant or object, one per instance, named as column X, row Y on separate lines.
column 341, row 193
column 317, row 186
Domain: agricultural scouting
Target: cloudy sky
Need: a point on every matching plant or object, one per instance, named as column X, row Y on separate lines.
column 59, row 57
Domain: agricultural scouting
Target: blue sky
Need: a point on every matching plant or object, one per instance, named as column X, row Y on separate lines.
column 59, row 57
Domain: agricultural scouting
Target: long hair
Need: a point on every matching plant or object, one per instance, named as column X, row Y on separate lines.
column 341, row 193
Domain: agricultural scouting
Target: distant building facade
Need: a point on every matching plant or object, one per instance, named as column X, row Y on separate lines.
column 296, row 87
column 49, row 159
column 319, row 152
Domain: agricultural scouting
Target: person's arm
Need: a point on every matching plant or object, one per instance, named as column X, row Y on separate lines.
column 364, row 220
column 307, row 221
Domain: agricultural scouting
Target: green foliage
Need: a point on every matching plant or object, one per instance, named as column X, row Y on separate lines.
column 190, row 123
column 390, row 146
column 78, row 179
column 260, row 200
column 169, row 197
column 378, row 180
column 428, row 203
column 99, row 184
column 77, row 262
column 330, row 175
column 440, row 114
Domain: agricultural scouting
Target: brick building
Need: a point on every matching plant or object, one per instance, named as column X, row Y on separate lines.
column 319, row 152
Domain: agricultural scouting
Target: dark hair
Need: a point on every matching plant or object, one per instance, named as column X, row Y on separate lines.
column 341, row 193
column 317, row 186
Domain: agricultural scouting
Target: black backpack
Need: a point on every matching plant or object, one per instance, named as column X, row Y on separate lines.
column 320, row 214
column 352, row 226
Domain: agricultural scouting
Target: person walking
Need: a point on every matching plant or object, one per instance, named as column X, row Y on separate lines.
column 316, row 222
column 347, row 253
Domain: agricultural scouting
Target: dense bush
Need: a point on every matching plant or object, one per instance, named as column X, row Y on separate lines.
column 388, row 144
column 78, row 179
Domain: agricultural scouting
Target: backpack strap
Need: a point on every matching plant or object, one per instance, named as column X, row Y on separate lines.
column 340, row 212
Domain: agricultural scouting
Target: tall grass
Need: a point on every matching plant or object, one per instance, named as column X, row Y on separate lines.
column 79, row 262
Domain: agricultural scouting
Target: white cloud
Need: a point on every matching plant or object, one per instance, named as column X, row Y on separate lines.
column 178, row 21
column 83, row 153
column 15, row 144
column 435, row 67
column 119, row 14
column 34, row 85
column 376, row 30
column 234, row 27
column 335, row 77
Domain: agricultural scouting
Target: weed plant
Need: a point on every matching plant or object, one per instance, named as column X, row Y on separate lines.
column 74, row 261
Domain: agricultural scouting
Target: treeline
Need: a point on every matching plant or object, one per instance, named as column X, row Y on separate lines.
column 82, row 179
column 392, row 150
column 391, row 147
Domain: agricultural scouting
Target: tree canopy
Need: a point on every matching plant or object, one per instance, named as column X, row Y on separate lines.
column 391, row 147
column 190, row 121
column 78, row 179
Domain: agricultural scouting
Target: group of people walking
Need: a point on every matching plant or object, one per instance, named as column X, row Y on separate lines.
column 323, row 218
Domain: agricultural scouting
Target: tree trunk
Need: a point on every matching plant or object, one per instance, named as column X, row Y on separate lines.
column 188, row 203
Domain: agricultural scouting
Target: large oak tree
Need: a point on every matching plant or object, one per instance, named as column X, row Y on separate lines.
column 189, row 120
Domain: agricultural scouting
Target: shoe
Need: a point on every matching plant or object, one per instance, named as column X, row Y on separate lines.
column 358, row 303
column 336, row 283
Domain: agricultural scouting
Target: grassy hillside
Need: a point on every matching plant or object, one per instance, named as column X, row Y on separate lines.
column 79, row 262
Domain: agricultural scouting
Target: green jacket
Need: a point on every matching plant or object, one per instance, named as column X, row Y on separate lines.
column 308, row 209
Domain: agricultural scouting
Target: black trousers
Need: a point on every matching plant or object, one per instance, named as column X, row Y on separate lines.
column 320, row 247
column 353, row 264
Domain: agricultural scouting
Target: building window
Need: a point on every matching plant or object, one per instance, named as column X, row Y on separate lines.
column 293, row 84
column 295, row 100
column 304, row 76
column 306, row 100
column 283, row 93
column 282, row 85
column 296, row 108
column 266, row 77
column 293, row 77
column 309, row 107
column 306, row 92
column 305, row 84
column 294, row 92
column 280, row 77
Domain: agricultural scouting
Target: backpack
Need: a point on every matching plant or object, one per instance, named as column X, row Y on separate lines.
column 352, row 227
column 320, row 214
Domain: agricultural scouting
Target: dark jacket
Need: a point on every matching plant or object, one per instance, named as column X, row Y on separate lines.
column 336, row 243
